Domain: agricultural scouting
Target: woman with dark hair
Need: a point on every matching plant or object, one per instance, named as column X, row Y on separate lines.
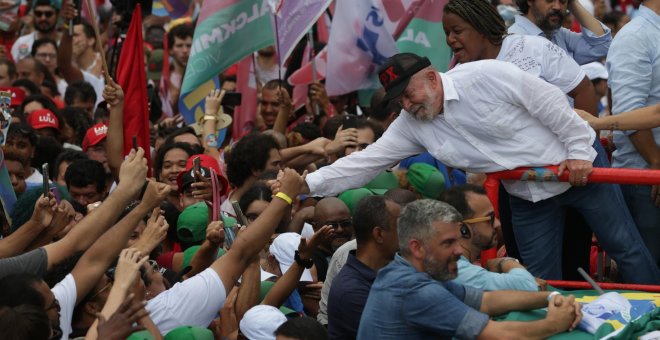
column 170, row 161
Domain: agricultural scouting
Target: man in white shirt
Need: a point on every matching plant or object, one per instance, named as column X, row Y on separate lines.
column 489, row 116
column 45, row 20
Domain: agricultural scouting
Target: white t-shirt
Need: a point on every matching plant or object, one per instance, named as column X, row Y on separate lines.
column 194, row 302
column 23, row 46
column 97, row 83
column 540, row 57
column 65, row 293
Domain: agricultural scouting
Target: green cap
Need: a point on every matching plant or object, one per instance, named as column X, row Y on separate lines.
column 386, row 180
column 141, row 335
column 426, row 180
column 352, row 197
column 155, row 65
column 189, row 333
column 191, row 226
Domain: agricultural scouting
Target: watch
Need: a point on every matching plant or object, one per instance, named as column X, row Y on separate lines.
column 303, row 263
column 505, row 259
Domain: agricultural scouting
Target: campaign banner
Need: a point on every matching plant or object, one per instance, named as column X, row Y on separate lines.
column 7, row 195
column 227, row 31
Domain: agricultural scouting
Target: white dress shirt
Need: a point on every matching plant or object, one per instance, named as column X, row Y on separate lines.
column 495, row 117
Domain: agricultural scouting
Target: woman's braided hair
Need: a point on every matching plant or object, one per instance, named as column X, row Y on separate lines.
column 481, row 15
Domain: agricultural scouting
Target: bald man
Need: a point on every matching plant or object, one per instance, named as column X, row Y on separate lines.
column 331, row 211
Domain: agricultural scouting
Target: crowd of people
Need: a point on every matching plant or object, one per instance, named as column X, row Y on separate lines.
column 330, row 220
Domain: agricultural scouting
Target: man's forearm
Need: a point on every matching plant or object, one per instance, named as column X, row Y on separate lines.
column 503, row 301
column 15, row 243
column 645, row 144
column 115, row 139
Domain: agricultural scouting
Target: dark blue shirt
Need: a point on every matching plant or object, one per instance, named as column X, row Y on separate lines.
column 348, row 295
column 407, row 304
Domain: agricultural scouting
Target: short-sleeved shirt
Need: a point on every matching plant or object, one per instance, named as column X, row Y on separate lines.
column 33, row 262
column 193, row 302
column 407, row 304
column 347, row 300
column 66, row 295
column 478, row 277
column 542, row 58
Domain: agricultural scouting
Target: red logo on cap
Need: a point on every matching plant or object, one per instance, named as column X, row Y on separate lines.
column 387, row 76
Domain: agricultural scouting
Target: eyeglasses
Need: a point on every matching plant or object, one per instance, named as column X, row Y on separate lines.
column 47, row 14
column 490, row 217
column 46, row 55
column 343, row 224
column 110, row 273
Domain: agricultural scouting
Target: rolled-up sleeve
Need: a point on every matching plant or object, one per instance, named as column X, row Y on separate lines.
column 586, row 47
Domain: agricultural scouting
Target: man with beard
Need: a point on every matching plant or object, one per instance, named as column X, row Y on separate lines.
column 45, row 20
column 479, row 232
column 544, row 18
column 487, row 116
column 412, row 297
column 333, row 212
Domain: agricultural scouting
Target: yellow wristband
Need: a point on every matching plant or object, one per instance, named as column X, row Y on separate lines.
column 284, row 197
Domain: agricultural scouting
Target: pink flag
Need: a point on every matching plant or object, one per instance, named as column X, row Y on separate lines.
column 246, row 113
column 359, row 43
column 303, row 75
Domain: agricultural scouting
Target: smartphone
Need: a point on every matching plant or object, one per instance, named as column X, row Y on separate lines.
column 135, row 144
column 56, row 193
column 197, row 168
column 232, row 99
column 44, row 172
column 350, row 122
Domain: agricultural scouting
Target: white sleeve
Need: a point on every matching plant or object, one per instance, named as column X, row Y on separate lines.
column 544, row 102
column 65, row 293
column 97, row 83
column 193, row 302
column 358, row 168
column 559, row 69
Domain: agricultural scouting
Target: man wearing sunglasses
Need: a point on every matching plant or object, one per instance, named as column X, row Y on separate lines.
column 333, row 212
column 45, row 20
column 479, row 232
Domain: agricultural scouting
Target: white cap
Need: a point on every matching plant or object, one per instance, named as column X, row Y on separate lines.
column 595, row 70
column 260, row 322
column 283, row 248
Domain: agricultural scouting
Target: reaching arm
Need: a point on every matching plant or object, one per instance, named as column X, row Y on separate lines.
column 97, row 259
column 154, row 233
column 70, row 72
column 212, row 110
column 42, row 215
column 114, row 96
column 503, row 301
column 230, row 266
column 640, row 119
column 248, row 292
column 132, row 174
column 208, row 251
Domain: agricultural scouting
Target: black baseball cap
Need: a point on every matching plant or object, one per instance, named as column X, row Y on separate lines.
column 396, row 72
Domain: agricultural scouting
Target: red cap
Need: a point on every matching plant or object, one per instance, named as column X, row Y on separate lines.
column 205, row 161
column 94, row 135
column 17, row 94
column 44, row 118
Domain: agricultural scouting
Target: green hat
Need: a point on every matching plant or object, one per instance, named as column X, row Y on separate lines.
column 141, row 335
column 189, row 333
column 352, row 197
column 155, row 65
column 386, row 180
column 426, row 179
column 191, row 226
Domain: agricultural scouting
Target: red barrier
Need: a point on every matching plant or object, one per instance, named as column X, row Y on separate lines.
column 605, row 285
column 599, row 175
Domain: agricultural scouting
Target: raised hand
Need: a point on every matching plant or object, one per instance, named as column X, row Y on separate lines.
column 128, row 267
column 113, row 94
column 120, row 325
column 155, row 194
column 215, row 232
column 213, row 100
column 291, row 183
column 154, row 233
column 133, row 171
column 343, row 139
column 44, row 211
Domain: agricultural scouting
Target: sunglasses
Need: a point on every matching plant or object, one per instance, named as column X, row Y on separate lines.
column 47, row 14
column 490, row 218
column 343, row 224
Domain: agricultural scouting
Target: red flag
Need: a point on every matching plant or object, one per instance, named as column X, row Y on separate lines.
column 132, row 78
column 245, row 115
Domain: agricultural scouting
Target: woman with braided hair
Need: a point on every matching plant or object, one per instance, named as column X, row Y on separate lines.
column 475, row 31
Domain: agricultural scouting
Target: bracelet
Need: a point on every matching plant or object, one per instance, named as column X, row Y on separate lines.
column 303, row 263
column 551, row 295
column 284, row 197
column 209, row 117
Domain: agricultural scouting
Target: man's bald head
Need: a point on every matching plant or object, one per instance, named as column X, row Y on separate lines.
column 332, row 211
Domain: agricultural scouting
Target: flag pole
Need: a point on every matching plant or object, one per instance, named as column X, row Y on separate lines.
column 310, row 39
column 279, row 54
column 99, row 47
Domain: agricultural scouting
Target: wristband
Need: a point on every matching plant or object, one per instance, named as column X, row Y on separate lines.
column 551, row 295
column 209, row 117
column 284, row 197
column 504, row 259
column 303, row 263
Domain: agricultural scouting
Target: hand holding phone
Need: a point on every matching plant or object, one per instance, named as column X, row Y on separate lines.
column 46, row 184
